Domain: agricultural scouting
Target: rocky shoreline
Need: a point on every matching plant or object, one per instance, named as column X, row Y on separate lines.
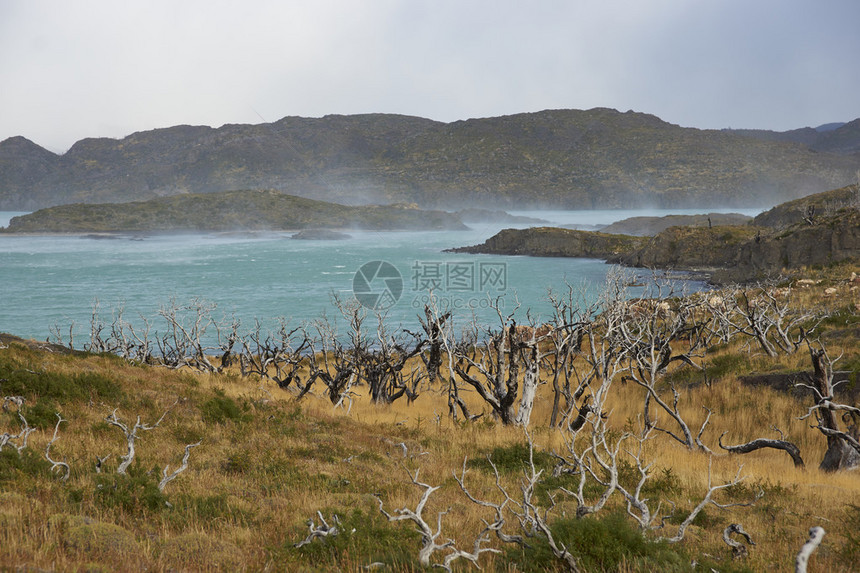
column 777, row 242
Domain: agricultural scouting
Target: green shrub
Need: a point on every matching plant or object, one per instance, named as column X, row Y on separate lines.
column 221, row 408
column 607, row 543
column 42, row 414
column 365, row 533
column 512, row 459
column 28, row 463
column 135, row 493
column 26, row 380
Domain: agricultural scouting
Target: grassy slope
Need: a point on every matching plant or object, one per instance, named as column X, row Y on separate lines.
column 267, row 464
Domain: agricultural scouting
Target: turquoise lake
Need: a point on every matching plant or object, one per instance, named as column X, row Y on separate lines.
column 52, row 281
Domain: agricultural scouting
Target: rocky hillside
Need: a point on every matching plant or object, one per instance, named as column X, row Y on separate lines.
column 560, row 158
column 229, row 211
column 649, row 226
column 838, row 138
column 812, row 206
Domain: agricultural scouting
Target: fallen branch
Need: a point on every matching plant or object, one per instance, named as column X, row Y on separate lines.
column 54, row 464
column 25, row 432
column 324, row 530
column 166, row 479
column 788, row 447
column 739, row 550
column 816, row 534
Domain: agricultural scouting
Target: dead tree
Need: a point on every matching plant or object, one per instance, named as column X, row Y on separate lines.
column 429, row 538
column 572, row 318
column 329, row 362
column 434, row 326
column 655, row 333
column 765, row 315
column 843, row 447
column 185, row 342
column 533, row 520
column 382, row 365
column 490, row 366
column 648, row 519
column 131, row 435
column 493, row 365
column 276, row 356
column 452, row 350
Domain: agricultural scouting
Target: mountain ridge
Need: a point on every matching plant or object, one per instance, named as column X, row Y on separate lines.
column 598, row 158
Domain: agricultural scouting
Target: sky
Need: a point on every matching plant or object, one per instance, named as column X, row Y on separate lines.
column 108, row 68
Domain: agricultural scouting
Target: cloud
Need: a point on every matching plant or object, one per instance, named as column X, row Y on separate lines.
column 103, row 68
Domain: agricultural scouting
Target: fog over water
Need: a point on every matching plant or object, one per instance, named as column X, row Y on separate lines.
column 54, row 280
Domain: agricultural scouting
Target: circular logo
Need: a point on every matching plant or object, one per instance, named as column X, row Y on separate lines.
column 377, row 285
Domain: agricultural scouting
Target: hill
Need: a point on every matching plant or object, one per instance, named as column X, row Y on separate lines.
column 228, row 211
column 648, row 226
column 555, row 158
column 835, row 137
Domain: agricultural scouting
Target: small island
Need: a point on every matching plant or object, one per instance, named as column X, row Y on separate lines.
column 320, row 235
column 230, row 211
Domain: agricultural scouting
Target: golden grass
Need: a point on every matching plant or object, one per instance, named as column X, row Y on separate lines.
column 254, row 481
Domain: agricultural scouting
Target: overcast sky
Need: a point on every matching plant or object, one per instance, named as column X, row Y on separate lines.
column 108, row 68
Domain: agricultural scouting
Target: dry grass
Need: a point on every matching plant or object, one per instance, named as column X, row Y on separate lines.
column 268, row 465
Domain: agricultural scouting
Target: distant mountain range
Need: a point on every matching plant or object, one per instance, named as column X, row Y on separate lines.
column 830, row 137
column 600, row 158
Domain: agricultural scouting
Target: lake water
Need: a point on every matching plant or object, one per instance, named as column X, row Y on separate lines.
column 54, row 280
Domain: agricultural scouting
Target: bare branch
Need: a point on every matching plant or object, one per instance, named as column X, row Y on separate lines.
column 62, row 466
column 788, row 447
column 131, row 435
column 739, row 550
column 816, row 534
column 25, row 432
column 324, row 530
column 428, row 537
column 166, row 479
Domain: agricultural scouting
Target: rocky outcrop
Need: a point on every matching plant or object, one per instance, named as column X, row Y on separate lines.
column 828, row 241
column 691, row 248
column 320, row 235
column 555, row 242
column 725, row 254
column 650, row 226
column 816, row 206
